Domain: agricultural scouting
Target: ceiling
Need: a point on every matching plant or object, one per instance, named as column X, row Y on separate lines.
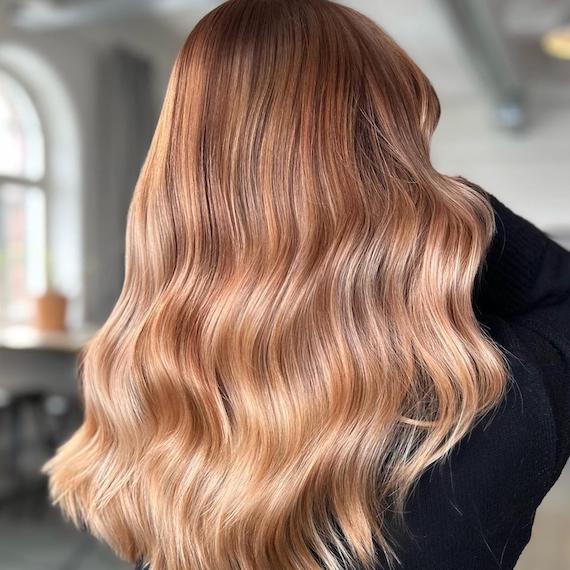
column 523, row 16
column 466, row 141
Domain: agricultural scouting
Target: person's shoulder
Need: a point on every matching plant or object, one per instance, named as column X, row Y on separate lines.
column 546, row 340
column 483, row 497
column 538, row 357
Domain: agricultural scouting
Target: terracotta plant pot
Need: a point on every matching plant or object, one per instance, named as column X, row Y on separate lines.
column 50, row 312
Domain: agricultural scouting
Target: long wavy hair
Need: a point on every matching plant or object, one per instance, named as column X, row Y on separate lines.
column 295, row 342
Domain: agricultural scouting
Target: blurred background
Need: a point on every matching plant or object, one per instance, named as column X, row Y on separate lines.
column 81, row 84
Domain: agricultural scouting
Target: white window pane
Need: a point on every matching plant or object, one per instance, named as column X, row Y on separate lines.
column 21, row 137
column 22, row 250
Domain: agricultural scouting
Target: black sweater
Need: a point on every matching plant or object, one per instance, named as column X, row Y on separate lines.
column 476, row 510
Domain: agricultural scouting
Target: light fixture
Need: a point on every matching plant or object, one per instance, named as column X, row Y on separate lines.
column 556, row 43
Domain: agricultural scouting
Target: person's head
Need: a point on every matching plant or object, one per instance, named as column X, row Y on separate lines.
column 295, row 342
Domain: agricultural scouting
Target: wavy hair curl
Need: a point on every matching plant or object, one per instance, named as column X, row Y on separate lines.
column 295, row 341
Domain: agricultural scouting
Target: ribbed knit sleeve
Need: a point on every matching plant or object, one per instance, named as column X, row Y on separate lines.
column 526, row 280
column 524, row 269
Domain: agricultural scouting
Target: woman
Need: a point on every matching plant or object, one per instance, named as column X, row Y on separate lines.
column 321, row 356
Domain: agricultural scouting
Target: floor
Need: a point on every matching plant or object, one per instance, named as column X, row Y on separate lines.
column 48, row 543
column 549, row 548
column 33, row 537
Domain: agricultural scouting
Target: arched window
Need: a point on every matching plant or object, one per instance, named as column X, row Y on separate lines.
column 23, row 252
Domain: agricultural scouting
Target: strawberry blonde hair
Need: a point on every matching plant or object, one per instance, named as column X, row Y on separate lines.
column 295, row 341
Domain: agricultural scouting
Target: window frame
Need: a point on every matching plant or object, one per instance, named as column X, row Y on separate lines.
column 27, row 184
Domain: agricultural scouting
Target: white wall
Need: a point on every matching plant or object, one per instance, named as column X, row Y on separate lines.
column 530, row 170
column 59, row 69
column 58, row 75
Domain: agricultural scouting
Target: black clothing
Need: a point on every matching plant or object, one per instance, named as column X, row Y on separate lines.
column 475, row 511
